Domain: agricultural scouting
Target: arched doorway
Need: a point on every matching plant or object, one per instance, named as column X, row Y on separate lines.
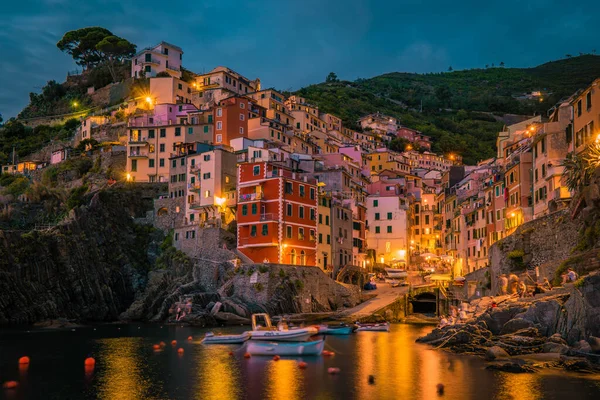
column 424, row 303
column 302, row 258
column 293, row 257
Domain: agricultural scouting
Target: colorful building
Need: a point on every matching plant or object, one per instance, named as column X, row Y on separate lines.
column 163, row 57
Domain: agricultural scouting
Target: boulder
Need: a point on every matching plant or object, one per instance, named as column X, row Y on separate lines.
column 583, row 346
column 216, row 308
column 594, row 343
column 515, row 325
column 497, row 317
column 230, row 319
column 551, row 347
column 232, row 307
column 545, row 314
column 514, row 367
column 495, row 352
column 557, row 338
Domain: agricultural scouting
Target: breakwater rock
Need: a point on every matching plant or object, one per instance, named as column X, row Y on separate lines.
column 214, row 291
column 564, row 321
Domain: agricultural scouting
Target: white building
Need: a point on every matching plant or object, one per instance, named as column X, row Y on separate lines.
column 163, row 57
column 388, row 233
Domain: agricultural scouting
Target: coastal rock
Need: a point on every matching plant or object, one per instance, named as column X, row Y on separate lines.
column 557, row 338
column 514, row 367
column 551, row 347
column 515, row 325
column 496, row 352
column 583, row 346
column 497, row 317
column 545, row 314
column 578, row 365
column 216, row 308
column 594, row 344
column 230, row 319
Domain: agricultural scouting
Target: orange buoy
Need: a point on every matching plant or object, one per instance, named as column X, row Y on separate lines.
column 10, row 385
column 246, row 355
column 90, row 362
column 190, row 338
column 24, row 360
column 180, row 350
column 162, row 344
column 302, row 365
column 333, row 370
column 276, row 358
column 440, row 388
column 173, row 342
column 156, row 347
column 328, row 353
column 231, row 353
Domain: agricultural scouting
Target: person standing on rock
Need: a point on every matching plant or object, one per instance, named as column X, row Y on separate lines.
column 522, row 289
column 503, row 285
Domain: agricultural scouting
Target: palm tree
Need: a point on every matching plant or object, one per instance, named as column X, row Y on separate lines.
column 577, row 172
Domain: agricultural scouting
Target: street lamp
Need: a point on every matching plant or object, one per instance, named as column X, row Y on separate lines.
column 75, row 104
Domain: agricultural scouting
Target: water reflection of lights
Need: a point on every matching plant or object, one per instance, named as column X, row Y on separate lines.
column 122, row 375
column 519, row 386
column 284, row 380
column 218, row 377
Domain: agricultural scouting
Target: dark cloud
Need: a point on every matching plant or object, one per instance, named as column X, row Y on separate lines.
column 289, row 44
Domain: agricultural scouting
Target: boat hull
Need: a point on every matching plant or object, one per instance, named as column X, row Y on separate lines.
column 226, row 339
column 374, row 328
column 264, row 348
column 295, row 335
column 342, row 330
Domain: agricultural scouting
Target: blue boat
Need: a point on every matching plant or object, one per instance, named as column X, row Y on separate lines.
column 336, row 330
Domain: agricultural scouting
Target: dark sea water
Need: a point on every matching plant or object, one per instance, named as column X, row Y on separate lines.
column 128, row 368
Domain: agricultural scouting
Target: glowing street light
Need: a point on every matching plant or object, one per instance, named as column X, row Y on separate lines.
column 75, row 104
column 128, row 177
column 149, row 100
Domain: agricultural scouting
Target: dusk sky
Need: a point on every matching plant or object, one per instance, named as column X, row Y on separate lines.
column 290, row 44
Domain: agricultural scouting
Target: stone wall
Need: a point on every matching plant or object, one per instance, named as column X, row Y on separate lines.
column 475, row 284
column 169, row 213
column 546, row 242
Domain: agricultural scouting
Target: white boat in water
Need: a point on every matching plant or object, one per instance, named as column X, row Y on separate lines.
column 263, row 348
column 211, row 338
column 380, row 327
column 262, row 329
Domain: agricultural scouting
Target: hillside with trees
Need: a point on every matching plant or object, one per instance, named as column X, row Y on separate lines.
column 461, row 110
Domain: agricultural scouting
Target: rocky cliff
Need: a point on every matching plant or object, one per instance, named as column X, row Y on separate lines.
column 87, row 268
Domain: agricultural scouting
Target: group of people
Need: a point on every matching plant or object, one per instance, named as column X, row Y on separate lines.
column 512, row 285
column 456, row 315
column 181, row 309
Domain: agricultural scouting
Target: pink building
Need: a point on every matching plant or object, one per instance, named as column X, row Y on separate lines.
column 163, row 57
column 414, row 136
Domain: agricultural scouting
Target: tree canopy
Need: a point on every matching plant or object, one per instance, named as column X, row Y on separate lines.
column 94, row 46
column 114, row 50
column 332, row 77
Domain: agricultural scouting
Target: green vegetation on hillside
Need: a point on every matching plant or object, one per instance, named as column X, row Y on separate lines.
column 456, row 105
column 27, row 140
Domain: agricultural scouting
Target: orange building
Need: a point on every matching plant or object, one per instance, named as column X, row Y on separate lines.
column 231, row 117
column 276, row 214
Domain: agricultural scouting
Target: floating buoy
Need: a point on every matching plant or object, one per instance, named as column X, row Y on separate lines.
column 90, row 362
column 371, row 380
column 246, row 355
column 333, row 370
column 10, row 385
column 302, row 365
column 328, row 353
column 173, row 342
column 24, row 360
column 190, row 338
column 180, row 350
column 231, row 353
column 440, row 388
column 156, row 347
column 276, row 358
column 162, row 344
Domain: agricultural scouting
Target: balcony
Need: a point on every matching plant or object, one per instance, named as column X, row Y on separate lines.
column 194, row 169
column 268, row 217
column 137, row 154
column 151, row 61
column 176, row 69
column 195, row 186
column 136, row 139
column 250, row 197
column 561, row 193
column 257, row 241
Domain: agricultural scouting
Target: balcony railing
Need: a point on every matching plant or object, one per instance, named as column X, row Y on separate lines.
column 268, row 217
column 137, row 139
column 140, row 154
column 250, row 197
column 194, row 186
column 258, row 241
